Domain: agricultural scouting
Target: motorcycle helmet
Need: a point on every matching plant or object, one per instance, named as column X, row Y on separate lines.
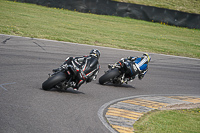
column 148, row 57
column 95, row 52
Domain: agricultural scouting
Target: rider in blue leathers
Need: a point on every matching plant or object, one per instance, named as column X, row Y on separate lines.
column 136, row 66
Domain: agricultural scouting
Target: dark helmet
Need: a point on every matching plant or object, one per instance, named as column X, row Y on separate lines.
column 148, row 57
column 95, row 52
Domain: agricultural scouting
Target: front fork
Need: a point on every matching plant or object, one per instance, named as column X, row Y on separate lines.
column 123, row 79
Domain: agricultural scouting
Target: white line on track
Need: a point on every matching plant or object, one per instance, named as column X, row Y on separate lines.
column 1, row 85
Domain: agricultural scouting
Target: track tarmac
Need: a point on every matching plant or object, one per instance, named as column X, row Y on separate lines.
column 26, row 108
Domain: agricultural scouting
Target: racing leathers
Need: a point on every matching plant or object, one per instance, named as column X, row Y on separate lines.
column 135, row 66
column 86, row 69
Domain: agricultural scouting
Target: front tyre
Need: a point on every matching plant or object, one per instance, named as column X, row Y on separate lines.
column 54, row 80
column 109, row 75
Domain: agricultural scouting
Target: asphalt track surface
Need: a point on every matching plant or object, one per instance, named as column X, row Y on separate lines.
column 25, row 107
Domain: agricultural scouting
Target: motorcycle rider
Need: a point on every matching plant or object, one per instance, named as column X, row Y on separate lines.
column 86, row 68
column 135, row 66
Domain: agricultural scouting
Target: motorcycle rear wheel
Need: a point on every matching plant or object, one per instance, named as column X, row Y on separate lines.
column 54, row 80
column 109, row 75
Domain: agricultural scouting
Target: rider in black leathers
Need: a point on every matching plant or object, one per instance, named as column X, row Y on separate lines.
column 86, row 67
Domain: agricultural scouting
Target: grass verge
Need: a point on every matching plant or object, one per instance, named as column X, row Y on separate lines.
column 190, row 6
column 31, row 20
column 169, row 121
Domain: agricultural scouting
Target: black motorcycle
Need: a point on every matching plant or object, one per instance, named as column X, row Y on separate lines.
column 62, row 78
column 119, row 73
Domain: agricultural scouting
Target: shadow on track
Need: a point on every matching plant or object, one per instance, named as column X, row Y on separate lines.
column 64, row 91
column 118, row 85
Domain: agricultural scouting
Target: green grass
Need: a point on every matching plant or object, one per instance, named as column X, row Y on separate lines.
column 31, row 20
column 190, row 6
column 169, row 121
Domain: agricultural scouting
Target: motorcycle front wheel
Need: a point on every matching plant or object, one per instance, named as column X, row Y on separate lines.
column 54, row 80
column 109, row 75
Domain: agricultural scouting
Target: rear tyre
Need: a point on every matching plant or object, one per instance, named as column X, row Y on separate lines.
column 54, row 80
column 109, row 75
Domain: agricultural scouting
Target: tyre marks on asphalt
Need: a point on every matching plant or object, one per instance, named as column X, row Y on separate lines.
column 123, row 114
column 4, row 42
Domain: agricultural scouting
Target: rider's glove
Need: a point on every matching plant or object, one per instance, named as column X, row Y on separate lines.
column 129, row 58
column 59, row 69
column 56, row 70
column 122, row 59
column 63, row 66
column 140, row 76
column 110, row 66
